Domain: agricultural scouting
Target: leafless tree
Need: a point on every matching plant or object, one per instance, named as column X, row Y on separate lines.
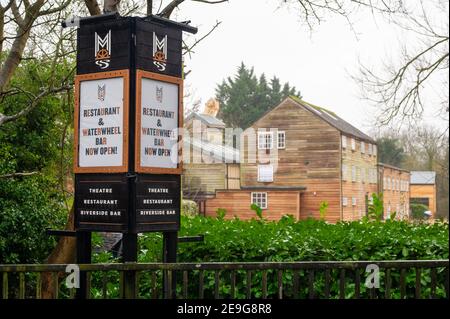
column 419, row 70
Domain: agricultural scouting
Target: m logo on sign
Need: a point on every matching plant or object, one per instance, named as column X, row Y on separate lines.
column 159, row 94
column 103, row 50
column 160, row 52
column 102, row 92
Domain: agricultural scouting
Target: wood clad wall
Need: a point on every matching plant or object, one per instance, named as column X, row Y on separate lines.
column 204, row 178
column 425, row 191
column 233, row 176
column 395, row 200
column 366, row 183
column 311, row 158
column 237, row 203
column 202, row 174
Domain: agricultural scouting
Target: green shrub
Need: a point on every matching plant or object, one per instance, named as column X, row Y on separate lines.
column 323, row 209
column 308, row 240
column 28, row 207
column 220, row 213
column 376, row 208
column 258, row 210
column 418, row 210
column 189, row 207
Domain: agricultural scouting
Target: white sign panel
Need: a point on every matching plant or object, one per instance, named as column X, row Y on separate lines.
column 101, row 123
column 159, row 124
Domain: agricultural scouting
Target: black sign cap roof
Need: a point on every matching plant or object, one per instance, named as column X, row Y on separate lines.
column 183, row 26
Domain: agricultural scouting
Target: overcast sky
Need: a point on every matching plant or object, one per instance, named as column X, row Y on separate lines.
column 274, row 41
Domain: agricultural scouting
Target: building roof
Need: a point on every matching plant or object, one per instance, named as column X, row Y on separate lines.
column 393, row 167
column 334, row 120
column 423, row 177
column 209, row 120
column 221, row 153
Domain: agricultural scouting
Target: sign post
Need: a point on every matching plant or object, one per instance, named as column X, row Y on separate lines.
column 127, row 148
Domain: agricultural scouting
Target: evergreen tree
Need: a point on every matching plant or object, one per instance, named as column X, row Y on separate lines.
column 390, row 151
column 244, row 98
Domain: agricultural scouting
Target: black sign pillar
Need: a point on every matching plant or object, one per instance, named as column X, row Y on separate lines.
column 170, row 242
column 127, row 147
column 83, row 257
column 129, row 255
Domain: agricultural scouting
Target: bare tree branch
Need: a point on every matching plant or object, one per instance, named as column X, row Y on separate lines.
column 167, row 11
column 188, row 49
column 149, row 7
column 398, row 90
column 12, row 175
column 9, row 118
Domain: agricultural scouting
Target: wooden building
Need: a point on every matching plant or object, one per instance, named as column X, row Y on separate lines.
column 208, row 164
column 295, row 158
column 393, row 183
column 423, row 189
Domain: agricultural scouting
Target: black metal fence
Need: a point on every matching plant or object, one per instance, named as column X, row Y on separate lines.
column 290, row 280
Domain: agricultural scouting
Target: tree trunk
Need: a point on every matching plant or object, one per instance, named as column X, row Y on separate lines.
column 111, row 6
column 64, row 253
column 93, row 7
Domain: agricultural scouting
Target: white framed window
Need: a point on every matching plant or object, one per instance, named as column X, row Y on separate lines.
column 374, row 150
column 353, row 144
column 353, row 173
column 344, row 172
column 265, row 140
column 265, row 173
column 369, row 149
column 384, row 183
column 353, row 201
column 344, row 201
column 344, row 141
column 281, row 141
column 260, row 199
column 363, row 147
